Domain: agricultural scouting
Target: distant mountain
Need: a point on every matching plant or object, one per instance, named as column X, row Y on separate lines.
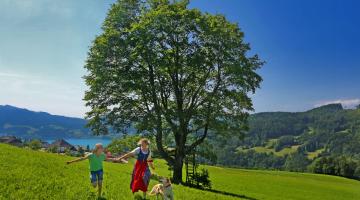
column 29, row 124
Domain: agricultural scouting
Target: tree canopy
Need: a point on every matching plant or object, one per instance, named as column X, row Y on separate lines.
column 170, row 70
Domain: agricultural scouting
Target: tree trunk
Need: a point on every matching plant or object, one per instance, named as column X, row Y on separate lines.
column 178, row 164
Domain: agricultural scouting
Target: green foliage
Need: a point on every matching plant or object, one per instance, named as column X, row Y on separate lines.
column 123, row 145
column 81, row 151
column 357, row 172
column 296, row 162
column 52, row 149
column 35, row 144
column 202, row 179
column 251, row 159
column 67, row 152
column 205, row 154
column 339, row 166
column 283, row 142
column 26, row 174
column 87, row 148
column 127, row 143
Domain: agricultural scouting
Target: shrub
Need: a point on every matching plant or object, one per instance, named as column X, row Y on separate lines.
column 357, row 172
column 296, row 162
column 202, row 179
column 122, row 145
column 338, row 166
column 35, row 144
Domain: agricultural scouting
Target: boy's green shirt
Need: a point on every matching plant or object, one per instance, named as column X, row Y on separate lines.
column 96, row 161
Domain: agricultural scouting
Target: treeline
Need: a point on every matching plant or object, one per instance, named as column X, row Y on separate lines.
column 334, row 164
column 338, row 166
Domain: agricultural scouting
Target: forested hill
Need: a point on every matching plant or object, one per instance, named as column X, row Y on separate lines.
column 29, row 124
column 272, row 125
column 296, row 141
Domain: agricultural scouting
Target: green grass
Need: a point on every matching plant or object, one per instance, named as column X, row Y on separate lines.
column 271, row 143
column 313, row 155
column 287, row 150
column 282, row 152
column 26, row 174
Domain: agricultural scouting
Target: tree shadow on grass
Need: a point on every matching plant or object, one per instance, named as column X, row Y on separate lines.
column 230, row 194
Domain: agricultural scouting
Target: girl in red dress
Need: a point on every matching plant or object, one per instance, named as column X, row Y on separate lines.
column 141, row 173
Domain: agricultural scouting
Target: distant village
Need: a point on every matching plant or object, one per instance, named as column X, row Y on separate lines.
column 60, row 146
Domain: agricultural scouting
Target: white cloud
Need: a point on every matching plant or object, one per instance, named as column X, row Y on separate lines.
column 347, row 103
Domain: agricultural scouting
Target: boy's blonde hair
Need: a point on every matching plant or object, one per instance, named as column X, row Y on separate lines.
column 97, row 146
column 145, row 140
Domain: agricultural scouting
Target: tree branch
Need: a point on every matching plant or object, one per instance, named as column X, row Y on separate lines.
column 204, row 135
column 159, row 129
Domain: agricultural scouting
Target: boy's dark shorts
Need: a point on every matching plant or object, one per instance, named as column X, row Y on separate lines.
column 96, row 176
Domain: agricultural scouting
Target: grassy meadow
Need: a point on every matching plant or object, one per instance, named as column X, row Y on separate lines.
column 268, row 148
column 27, row 174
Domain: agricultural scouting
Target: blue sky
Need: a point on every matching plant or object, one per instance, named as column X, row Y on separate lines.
column 312, row 50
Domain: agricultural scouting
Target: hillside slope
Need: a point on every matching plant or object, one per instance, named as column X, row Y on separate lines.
column 293, row 141
column 26, row 174
column 29, row 124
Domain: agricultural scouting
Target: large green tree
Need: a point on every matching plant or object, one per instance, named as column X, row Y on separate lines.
column 170, row 70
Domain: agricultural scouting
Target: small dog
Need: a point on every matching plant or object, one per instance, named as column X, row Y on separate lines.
column 163, row 189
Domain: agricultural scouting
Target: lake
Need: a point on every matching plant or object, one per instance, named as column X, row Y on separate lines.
column 84, row 142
